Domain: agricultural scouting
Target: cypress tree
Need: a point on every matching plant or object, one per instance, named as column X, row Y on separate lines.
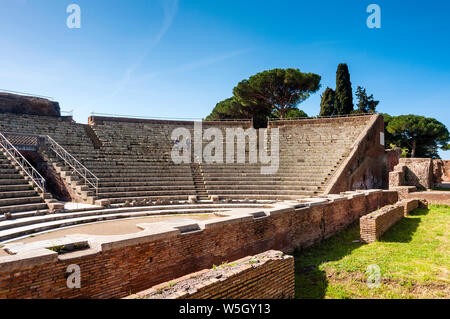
column 327, row 106
column 344, row 93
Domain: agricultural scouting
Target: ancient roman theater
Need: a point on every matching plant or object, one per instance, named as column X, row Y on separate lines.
column 105, row 200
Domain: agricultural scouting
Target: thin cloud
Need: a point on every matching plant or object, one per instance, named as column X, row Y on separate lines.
column 170, row 9
column 195, row 64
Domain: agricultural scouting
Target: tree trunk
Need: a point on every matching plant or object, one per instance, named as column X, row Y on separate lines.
column 413, row 150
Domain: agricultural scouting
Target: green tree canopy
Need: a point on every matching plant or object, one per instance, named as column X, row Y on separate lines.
column 292, row 113
column 421, row 135
column 231, row 109
column 327, row 103
column 344, row 93
column 366, row 104
column 277, row 90
column 275, row 93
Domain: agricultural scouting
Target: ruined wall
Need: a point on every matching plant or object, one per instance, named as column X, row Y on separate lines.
column 435, row 197
column 367, row 165
column 438, row 172
column 374, row 225
column 419, row 172
column 19, row 104
column 393, row 158
column 269, row 275
column 446, row 171
column 119, row 266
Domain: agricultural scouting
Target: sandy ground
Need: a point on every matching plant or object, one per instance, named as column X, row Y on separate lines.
column 3, row 253
column 118, row 227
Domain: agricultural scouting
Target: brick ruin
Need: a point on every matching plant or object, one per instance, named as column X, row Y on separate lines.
column 117, row 266
column 269, row 275
column 329, row 170
column 374, row 225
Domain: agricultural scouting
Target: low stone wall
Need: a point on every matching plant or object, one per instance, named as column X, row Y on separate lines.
column 409, row 205
column 117, row 266
column 269, row 275
column 404, row 191
column 374, row 225
column 434, row 197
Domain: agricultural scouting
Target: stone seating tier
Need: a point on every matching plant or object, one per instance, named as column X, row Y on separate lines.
column 16, row 194
column 134, row 159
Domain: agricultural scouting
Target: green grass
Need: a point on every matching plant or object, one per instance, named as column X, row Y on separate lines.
column 413, row 257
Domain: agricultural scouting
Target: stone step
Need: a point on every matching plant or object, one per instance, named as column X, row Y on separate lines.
column 11, row 233
column 17, row 180
column 146, row 193
column 12, row 187
column 117, row 200
column 22, row 208
column 262, row 187
column 144, row 188
column 259, row 192
column 155, row 183
column 172, row 179
column 16, row 194
column 20, row 201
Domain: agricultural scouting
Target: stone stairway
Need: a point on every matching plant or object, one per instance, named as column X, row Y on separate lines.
column 16, row 192
column 80, row 191
column 199, row 183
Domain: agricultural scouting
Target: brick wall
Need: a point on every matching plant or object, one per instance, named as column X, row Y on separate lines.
column 119, row 266
column 446, row 171
column 269, row 275
column 434, row 197
column 419, row 172
column 367, row 165
column 423, row 173
column 374, row 225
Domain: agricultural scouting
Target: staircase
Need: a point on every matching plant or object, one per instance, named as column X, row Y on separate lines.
column 81, row 181
column 199, row 183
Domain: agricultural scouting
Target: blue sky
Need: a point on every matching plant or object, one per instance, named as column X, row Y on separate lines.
column 168, row 58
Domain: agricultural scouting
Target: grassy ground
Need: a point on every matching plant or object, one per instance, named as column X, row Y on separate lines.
column 413, row 257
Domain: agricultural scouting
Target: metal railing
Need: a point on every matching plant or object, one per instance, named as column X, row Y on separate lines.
column 26, row 167
column 80, row 169
column 321, row 117
column 167, row 118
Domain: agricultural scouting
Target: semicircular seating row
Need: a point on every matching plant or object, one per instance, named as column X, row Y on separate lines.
column 132, row 162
